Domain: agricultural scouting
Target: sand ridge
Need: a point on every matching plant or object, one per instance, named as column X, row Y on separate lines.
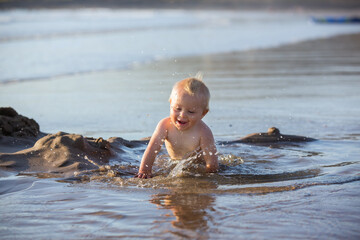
column 60, row 153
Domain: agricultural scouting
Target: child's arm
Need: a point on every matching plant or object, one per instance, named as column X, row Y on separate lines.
column 152, row 149
column 207, row 144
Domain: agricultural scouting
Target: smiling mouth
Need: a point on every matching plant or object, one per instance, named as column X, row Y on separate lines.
column 181, row 122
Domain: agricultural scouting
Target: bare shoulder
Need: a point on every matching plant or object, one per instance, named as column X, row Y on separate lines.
column 164, row 120
column 205, row 130
column 163, row 126
column 164, row 123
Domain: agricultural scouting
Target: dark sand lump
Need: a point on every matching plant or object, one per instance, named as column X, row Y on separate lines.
column 15, row 125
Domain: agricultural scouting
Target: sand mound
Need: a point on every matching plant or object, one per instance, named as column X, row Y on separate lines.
column 16, row 131
column 273, row 135
column 60, row 153
column 15, row 125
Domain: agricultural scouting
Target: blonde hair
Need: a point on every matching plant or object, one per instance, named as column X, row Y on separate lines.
column 193, row 86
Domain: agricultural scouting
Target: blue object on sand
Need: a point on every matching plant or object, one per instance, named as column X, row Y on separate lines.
column 343, row 19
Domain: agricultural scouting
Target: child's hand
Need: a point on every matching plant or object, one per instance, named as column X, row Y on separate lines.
column 143, row 175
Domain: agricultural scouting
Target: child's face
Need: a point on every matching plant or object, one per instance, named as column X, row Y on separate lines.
column 186, row 111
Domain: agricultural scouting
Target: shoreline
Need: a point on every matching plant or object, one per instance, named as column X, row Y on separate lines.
column 247, row 67
column 154, row 61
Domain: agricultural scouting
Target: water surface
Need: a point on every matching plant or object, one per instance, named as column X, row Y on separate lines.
column 128, row 62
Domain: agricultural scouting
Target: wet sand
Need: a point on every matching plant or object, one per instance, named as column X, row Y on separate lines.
column 307, row 88
column 320, row 72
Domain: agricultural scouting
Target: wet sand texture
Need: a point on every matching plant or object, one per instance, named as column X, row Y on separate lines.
column 272, row 135
column 60, row 153
column 17, row 132
column 25, row 149
column 15, row 125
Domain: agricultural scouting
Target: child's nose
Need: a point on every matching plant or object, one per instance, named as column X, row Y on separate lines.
column 182, row 114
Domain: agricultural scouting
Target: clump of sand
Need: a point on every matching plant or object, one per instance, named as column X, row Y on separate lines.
column 25, row 149
column 15, row 125
column 273, row 135
column 17, row 132
column 60, row 153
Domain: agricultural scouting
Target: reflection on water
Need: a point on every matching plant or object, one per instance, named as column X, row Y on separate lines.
column 288, row 183
column 189, row 209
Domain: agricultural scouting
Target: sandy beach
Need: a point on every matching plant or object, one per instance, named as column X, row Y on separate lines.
column 77, row 178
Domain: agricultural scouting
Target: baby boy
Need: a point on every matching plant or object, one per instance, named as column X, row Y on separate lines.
column 183, row 131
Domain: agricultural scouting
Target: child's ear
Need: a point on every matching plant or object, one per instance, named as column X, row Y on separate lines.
column 205, row 112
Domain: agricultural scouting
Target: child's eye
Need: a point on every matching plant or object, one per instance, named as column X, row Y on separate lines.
column 191, row 112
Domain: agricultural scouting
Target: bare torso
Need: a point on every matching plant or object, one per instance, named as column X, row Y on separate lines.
column 179, row 144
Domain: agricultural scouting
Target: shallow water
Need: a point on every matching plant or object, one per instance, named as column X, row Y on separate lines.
column 294, row 190
column 307, row 190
